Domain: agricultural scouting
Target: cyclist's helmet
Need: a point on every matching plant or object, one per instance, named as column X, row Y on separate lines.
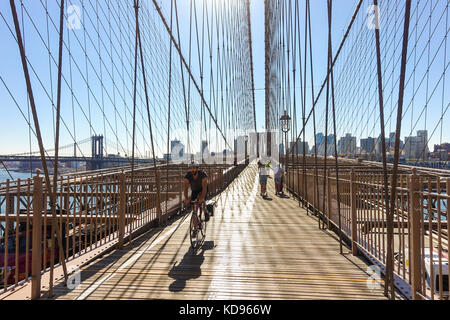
column 193, row 164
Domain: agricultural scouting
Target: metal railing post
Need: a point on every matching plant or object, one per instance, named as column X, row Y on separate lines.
column 315, row 208
column 122, row 206
column 158, row 199
column 305, row 190
column 301, row 196
column 329, row 208
column 353, row 195
column 415, row 213
column 36, row 239
column 209, row 180
column 6, row 233
column 216, row 181
column 180, row 193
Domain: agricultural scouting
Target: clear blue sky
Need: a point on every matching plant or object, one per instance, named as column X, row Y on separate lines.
column 342, row 14
column 14, row 127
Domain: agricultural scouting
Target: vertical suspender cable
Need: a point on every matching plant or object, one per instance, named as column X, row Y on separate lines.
column 55, row 170
column 316, row 166
column 36, row 122
column 158, row 185
column 305, row 203
column 186, row 110
column 250, row 44
column 327, row 108
column 158, row 9
column 390, row 219
column 133, row 142
column 358, row 7
column 338, row 193
column 443, row 90
column 383, row 134
column 302, row 99
column 168, row 109
column 293, row 25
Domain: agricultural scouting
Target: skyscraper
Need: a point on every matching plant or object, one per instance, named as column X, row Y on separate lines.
column 391, row 143
column 347, row 144
column 320, row 141
column 204, row 145
column 368, row 145
column 176, row 149
column 299, row 149
column 424, row 135
column 416, row 147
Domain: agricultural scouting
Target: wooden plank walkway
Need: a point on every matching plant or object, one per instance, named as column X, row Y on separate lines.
column 255, row 249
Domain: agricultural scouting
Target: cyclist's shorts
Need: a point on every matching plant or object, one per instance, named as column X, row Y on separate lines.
column 196, row 193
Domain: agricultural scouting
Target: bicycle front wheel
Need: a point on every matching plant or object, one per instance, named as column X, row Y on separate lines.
column 203, row 229
column 195, row 233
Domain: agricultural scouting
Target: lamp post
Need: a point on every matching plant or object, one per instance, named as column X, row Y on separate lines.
column 285, row 122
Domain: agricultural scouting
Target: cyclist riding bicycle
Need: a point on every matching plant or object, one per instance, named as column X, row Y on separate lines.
column 197, row 180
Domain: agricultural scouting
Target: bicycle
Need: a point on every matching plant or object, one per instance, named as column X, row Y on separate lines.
column 197, row 227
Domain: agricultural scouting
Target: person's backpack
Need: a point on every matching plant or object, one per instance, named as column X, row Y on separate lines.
column 210, row 205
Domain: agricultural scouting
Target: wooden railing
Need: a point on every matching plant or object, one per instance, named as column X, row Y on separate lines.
column 95, row 212
column 420, row 218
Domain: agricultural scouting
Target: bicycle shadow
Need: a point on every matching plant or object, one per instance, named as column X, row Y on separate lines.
column 189, row 268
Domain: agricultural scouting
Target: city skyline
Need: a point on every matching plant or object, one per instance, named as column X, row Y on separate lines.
column 412, row 146
column 15, row 124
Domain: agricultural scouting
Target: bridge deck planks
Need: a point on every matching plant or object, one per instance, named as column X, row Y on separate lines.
column 255, row 249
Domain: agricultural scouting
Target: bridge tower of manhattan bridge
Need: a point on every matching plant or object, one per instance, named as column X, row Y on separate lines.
column 97, row 161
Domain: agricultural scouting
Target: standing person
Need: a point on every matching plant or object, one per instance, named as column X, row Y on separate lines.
column 263, row 172
column 282, row 181
column 278, row 175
